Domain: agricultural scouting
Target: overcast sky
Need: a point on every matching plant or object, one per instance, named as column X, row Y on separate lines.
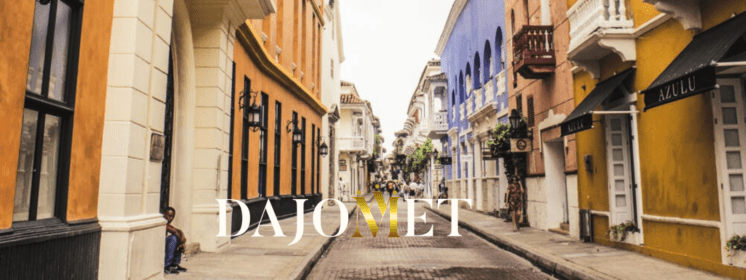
column 387, row 44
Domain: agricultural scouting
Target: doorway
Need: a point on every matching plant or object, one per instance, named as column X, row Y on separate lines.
column 168, row 131
column 556, row 187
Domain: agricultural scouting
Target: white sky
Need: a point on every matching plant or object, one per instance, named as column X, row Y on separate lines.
column 387, row 44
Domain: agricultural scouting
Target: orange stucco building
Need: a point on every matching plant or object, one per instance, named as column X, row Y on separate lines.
column 277, row 69
column 51, row 121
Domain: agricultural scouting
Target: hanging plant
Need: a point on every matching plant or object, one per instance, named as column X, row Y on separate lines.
column 499, row 143
column 619, row 232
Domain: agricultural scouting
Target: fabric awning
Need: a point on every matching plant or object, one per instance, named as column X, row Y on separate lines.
column 582, row 117
column 693, row 70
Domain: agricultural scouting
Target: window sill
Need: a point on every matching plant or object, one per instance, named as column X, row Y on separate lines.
column 42, row 230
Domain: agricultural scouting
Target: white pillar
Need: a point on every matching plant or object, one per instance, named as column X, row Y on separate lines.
column 477, row 151
column 546, row 18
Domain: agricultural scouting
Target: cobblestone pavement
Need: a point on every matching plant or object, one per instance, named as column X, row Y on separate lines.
column 436, row 257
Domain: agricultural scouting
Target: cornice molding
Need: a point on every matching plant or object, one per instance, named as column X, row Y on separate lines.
column 456, row 9
column 249, row 39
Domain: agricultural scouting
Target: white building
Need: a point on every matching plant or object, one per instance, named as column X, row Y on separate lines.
column 332, row 55
column 427, row 118
column 356, row 139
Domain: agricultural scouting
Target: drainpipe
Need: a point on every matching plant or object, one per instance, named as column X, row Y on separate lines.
column 546, row 18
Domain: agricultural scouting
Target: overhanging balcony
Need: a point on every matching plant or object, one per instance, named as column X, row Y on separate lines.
column 533, row 51
column 353, row 143
column 597, row 28
column 438, row 124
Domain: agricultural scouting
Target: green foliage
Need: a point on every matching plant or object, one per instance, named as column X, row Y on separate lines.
column 499, row 134
column 619, row 232
column 735, row 243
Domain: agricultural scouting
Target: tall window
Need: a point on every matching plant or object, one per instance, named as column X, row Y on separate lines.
column 230, row 142
column 44, row 154
column 318, row 166
column 294, row 177
column 303, row 157
column 313, row 158
column 263, row 147
column 278, row 137
column 245, row 144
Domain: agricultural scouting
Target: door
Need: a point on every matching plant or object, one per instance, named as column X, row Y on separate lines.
column 619, row 168
column 730, row 140
column 168, row 129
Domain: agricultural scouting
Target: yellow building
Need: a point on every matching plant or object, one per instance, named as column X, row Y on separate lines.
column 51, row 124
column 660, row 127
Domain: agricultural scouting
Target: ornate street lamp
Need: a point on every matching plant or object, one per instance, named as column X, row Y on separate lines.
column 323, row 149
column 297, row 133
column 252, row 114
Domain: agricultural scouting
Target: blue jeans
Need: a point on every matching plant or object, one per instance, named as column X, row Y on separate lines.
column 173, row 256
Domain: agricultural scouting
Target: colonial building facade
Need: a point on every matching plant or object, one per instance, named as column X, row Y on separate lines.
column 55, row 56
column 356, row 138
column 659, row 125
column 472, row 56
column 332, row 55
column 539, row 87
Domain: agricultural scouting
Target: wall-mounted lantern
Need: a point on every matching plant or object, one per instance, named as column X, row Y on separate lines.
column 252, row 114
column 297, row 133
column 323, row 149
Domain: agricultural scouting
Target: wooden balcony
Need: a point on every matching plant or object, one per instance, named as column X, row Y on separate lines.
column 533, row 51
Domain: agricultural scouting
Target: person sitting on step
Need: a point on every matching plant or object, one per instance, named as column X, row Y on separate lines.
column 175, row 244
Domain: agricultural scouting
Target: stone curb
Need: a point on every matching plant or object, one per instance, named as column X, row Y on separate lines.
column 551, row 264
column 302, row 271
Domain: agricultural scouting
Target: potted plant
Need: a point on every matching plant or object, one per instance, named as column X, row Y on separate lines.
column 619, row 232
column 736, row 243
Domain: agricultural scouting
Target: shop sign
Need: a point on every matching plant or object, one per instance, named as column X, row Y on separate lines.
column 445, row 160
column 520, row 145
column 577, row 124
column 700, row 81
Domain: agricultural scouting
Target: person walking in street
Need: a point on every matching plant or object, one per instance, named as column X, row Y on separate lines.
column 515, row 201
column 342, row 189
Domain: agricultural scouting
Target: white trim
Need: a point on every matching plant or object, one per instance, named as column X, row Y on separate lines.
column 600, row 213
column 634, row 131
column 651, row 24
column 729, row 64
column 551, row 120
column 615, row 112
column 129, row 224
column 681, row 221
column 456, row 9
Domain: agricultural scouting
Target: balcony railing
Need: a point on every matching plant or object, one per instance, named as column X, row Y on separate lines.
column 439, row 121
column 478, row 98
column 587, row 16
column 470, row 104
column 353, row 143
column 533, row 49
column 489, row 92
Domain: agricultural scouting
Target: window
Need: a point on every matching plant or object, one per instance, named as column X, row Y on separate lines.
column 44, row 154
column 318, row 165
column 230, row 142
column 530, row 108
column 245, row 144
column 519, row 104
column 477, row 66
column 313, row 158
column 294, row 177
column 303, row 157
column 487, row 60
column 263, row 147
column 278, row 137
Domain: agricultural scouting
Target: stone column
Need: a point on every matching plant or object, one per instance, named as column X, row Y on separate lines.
column 477, row 151
column 213, row 36
column 132, row 239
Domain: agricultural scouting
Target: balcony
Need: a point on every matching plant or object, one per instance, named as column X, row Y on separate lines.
column 598, row 27
column 353, row 143
column 470, row 104
column 438, row 124
column 533, row 51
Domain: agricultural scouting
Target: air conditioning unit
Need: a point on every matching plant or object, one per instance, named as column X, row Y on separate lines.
column 586, row 225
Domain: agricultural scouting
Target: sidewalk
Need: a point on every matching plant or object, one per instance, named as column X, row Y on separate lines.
column 568, row 258
column 268, row 257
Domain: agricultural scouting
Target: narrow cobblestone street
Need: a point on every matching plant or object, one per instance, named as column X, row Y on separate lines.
column 439, row 256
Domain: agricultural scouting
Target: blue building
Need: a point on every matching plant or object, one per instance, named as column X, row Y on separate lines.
column 472, row 54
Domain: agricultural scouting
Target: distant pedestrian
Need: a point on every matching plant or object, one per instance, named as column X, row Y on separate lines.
column 515, row 201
